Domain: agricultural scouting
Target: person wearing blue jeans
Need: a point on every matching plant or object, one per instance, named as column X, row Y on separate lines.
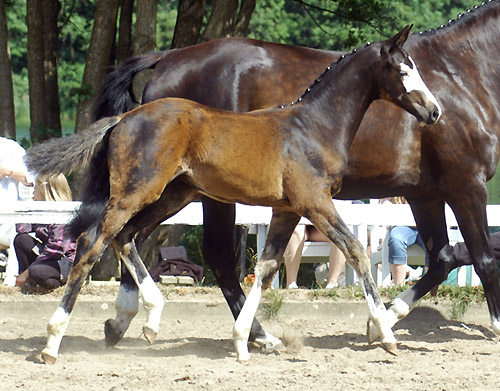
column 400, row 238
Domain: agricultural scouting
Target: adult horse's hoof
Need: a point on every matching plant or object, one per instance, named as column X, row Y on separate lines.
column 112, row 334
column 390, row 347
column 150, row 334
column 48, row 359
column 372, row 333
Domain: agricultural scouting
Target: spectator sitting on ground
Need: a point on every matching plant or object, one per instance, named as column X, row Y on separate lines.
column 46, row 257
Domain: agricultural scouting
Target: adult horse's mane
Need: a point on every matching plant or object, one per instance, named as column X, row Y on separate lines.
column 462, row 18
column 469, row 16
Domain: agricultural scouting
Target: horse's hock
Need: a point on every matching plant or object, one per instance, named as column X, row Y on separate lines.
column 163, row 236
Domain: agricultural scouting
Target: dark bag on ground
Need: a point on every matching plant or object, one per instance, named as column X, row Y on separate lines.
column 174, row 262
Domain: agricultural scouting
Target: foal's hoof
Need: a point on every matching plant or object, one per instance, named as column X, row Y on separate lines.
column 269, row 343
column 112, row 334
column 48, row 359
column 150, row 334
column 390, row 347
column 372, row 333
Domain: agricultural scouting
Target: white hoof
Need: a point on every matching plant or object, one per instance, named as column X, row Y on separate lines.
column 269, row 343
column 372, row 332
column 495, row 325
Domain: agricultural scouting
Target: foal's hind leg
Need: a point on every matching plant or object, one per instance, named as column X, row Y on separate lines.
column 326, row 219
column 90, row 246
column 280, row 231
column 175, row 197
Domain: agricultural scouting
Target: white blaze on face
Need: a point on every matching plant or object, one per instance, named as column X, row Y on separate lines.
column 413, row 82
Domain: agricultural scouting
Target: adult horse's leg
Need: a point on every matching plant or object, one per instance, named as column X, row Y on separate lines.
column 280, row 231
column 135, row 276
column 219, row 251
column 470, row 211
column 430, row 218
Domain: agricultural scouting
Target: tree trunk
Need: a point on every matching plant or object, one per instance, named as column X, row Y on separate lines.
column 144, row 38
column 189, row 21
column 124, row 47
column 98, row 56
column 36, row 79
column 220, row 23
column 51, row 9
column 8, row 122
column 240, row 28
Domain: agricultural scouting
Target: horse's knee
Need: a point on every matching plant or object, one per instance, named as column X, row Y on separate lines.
column 445, row 263
column 266, row 270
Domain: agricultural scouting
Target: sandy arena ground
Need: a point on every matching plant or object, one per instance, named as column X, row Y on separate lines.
column 194, row 350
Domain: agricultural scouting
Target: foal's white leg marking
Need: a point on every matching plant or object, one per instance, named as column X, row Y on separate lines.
column 412, row 81
column 56, row 328
column 153, row 303
column 243, row 324
column 381, row 319
column 397, row 311
column 127, row 306
column 269, row 343
column 153, row 299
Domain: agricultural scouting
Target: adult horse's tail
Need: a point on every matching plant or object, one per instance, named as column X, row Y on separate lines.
column 69, row 153
column 116, row 95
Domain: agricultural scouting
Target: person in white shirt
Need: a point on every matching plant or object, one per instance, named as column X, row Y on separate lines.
column 15, row 182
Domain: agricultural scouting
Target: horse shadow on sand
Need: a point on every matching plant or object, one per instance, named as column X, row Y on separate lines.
column 211, row 348
column 422, row 324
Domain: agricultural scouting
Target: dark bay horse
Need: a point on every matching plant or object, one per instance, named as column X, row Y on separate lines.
column 164, row 154
column 391, row 154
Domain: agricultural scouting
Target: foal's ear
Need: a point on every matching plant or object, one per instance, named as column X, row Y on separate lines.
column 399, row 39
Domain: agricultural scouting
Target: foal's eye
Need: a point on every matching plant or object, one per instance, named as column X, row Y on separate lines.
column 403, row 73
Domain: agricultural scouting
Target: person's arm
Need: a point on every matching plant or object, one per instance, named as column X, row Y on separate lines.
column 22, row 279
column 19, row 176
column 57, row 244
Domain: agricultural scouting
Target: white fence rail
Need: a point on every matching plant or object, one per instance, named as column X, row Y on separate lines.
column 362, row 217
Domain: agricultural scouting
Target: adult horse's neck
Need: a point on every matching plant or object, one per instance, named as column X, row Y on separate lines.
column 461, row 63
column 472, row 36
column 336, row 103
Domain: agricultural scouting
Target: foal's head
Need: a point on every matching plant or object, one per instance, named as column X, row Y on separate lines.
column 400, row 82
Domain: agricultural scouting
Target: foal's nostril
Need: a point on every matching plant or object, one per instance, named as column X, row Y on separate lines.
column 435, row 114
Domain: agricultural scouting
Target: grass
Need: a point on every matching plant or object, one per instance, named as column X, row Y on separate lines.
column 457, row 298
column 272, row 303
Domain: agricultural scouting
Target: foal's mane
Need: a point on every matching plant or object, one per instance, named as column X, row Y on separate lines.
column 461, row 18
column 318, row 79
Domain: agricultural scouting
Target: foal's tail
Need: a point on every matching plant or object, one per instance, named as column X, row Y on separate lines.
column 66, row 154
column 116, row 95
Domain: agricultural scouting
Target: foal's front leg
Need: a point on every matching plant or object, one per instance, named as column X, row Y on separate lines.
column 280, row 231
column 326, row 219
